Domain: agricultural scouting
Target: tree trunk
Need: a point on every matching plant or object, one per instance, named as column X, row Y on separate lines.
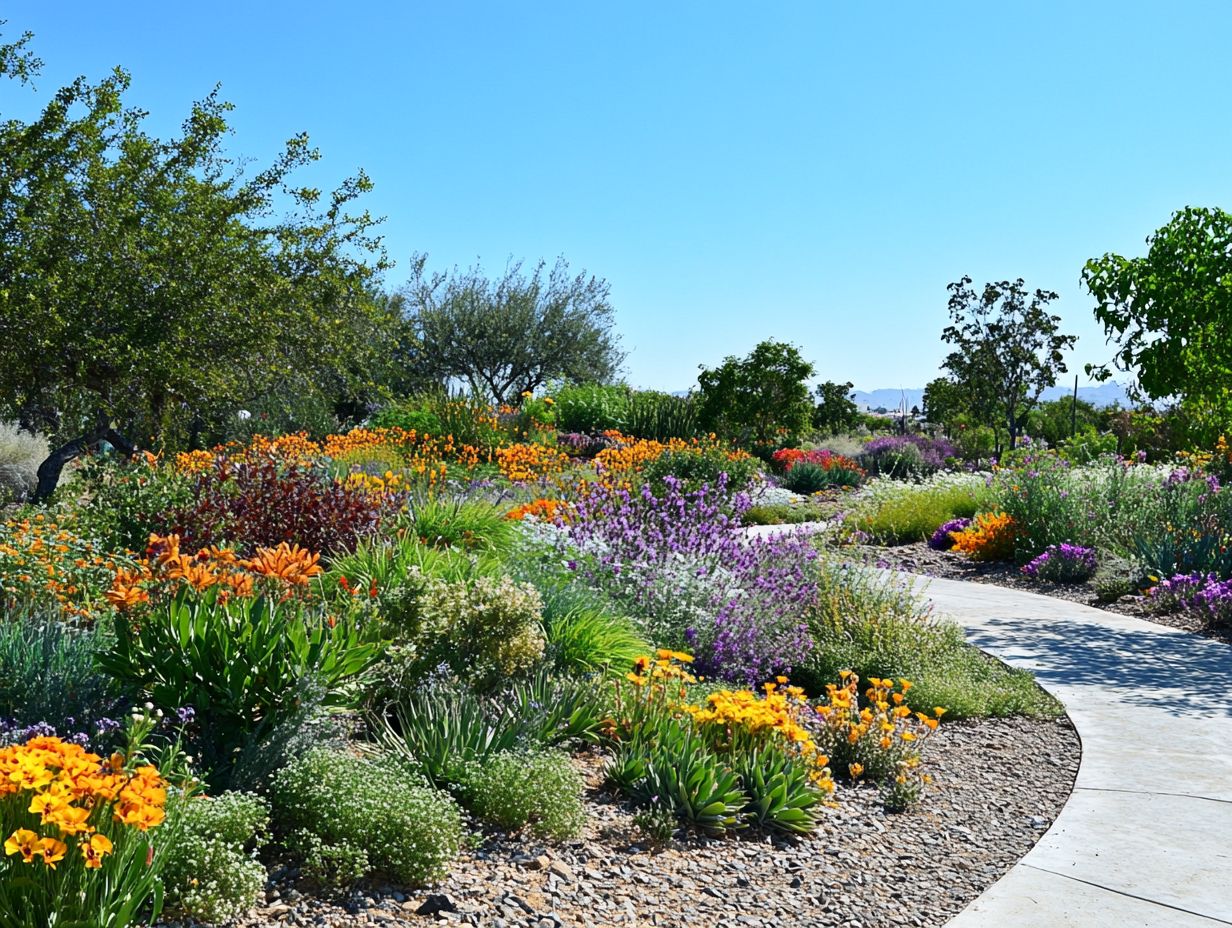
column 49, row 471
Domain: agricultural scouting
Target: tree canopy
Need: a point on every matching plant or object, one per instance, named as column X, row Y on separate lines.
column 514, row 333
column 761, row 400
column 1169, row 313
column 1008, row 349
column 146, row 284
column 836, row 411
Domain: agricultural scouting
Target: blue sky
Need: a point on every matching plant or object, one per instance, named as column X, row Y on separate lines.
column 815, row 172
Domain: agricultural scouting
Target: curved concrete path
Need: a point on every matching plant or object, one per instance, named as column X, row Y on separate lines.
column 1145, row 841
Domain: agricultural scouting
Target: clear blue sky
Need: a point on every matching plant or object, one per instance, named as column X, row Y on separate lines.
column 815, row 171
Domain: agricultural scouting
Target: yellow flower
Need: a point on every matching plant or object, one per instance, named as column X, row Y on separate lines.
column 94, row 850
column 24, row 842
column 53, row 851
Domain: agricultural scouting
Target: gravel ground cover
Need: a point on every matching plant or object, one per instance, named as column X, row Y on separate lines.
column 1000, row 784
column 920, row 559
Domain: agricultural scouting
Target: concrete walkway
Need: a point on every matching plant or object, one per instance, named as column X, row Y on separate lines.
column 1145, row 841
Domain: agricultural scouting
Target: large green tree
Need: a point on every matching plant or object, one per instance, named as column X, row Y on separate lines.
column 760, row 401
column 506, row 335
column 1169, row 314
column 150, row 285
column 1008, row 349
column 836, row 411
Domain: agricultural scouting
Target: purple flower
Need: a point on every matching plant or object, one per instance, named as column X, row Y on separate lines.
column 1063, row 563
column 943, row 538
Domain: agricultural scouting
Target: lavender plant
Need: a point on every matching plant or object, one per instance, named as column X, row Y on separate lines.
column 943, row 539
column 1063, row 563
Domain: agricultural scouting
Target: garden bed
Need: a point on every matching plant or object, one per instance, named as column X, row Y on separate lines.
column 919, row 558
column 1000, row 783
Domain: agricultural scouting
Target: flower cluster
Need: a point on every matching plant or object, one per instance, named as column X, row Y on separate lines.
column 530, row 461
column 880, row 739
column 166, row 569
column 632, row 454
column 991, row 537
column 943, row 538
column 787, row 458
column 906, row 455
column 43, row 563
column 544, row 510
column 1063, row 563
column 1203, row 595
column 59, row 785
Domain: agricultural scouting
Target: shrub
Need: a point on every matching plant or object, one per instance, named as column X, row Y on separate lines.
column 943, row 538
column 1063, row 563
column 906, row 456
column 889, row 512
column 838, row 470
column 21, row 453
column 541, row 791
column 807, row 478
column 48, row 674
column 699, row 465
column 991, row 537
column 592, row 408
column 528, row 462
column 267, row 501
column 783, row 514
column 108, row 816
column 125, row 500
column 245, row 664
column 211, row 873
column 406, row 832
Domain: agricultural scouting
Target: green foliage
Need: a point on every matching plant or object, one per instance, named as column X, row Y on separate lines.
column 761, row 401
column 48, row 674
column 1169, row 314
column 780, row 796
column 662, row 416
column 584, row 634
column 807, row 478
column 407, row 833
column 512, row 334
column 468, row 525
column 1007, row 350
column 782, row 514
column 437, row 731
column 243, row 665
column 893, row 513
column 836, row 411
column 539, row 791
column 108, row 316
column 592, row 408
column 696, row 466
column 944, row 402
column 1087, row 446
column 877, row 626
column 125, row 501
column 1054, row 421
column 211, row 873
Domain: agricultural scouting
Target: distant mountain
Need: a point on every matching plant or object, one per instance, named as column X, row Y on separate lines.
column 1104, row 394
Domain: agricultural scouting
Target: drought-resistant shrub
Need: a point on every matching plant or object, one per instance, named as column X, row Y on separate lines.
column 943, row 538
column 266, row 501
column 892, row 512
column 807, row 478
column 990, row 537
column 110, row 873
column 699, row 465
column 1063, row 563
column 839, row 470
column 21, row 452
column 125, row 500
column 906, row 456
column 366, row 814
column 540, row 791
column 662, row 416
column 592, row 407
column 211, row 873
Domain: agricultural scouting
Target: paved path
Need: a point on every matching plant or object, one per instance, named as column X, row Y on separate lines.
column 1145, row 840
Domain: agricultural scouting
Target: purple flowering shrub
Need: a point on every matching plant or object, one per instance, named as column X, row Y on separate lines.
column 1203, row 595
column 906, row 456
column 943, row 538
column 1063, row 563
column 678, row 564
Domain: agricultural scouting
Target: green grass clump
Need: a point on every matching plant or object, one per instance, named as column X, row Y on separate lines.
column 540, row 791
column 462, row 525
column 896, row 512
column 879, row 626
column 584, row 633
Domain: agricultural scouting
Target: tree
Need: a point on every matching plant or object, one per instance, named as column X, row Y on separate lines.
column 1056, row 420
column 147, row 284
column 760, row 401
column 836, row 411
column 514, row 333
column 1008, row 349
column 944, row 402
column 1170, row 313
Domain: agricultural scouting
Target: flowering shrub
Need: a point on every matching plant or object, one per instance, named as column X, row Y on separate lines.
column 540, row 791
column 676, row 564
column 267, row 501
column 943, row 538
column 808, row 477
column 581, row 445
column 895, row 512
column 43, row 564
column 370, row 817
column 787, row 458
column 1063, row 563
column 525, row 463
column 76, row 848
column 880, row 740
column 990, row 537
column 546, row 510
column 1203, row 595
column 701, row 464
column 906, row 456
